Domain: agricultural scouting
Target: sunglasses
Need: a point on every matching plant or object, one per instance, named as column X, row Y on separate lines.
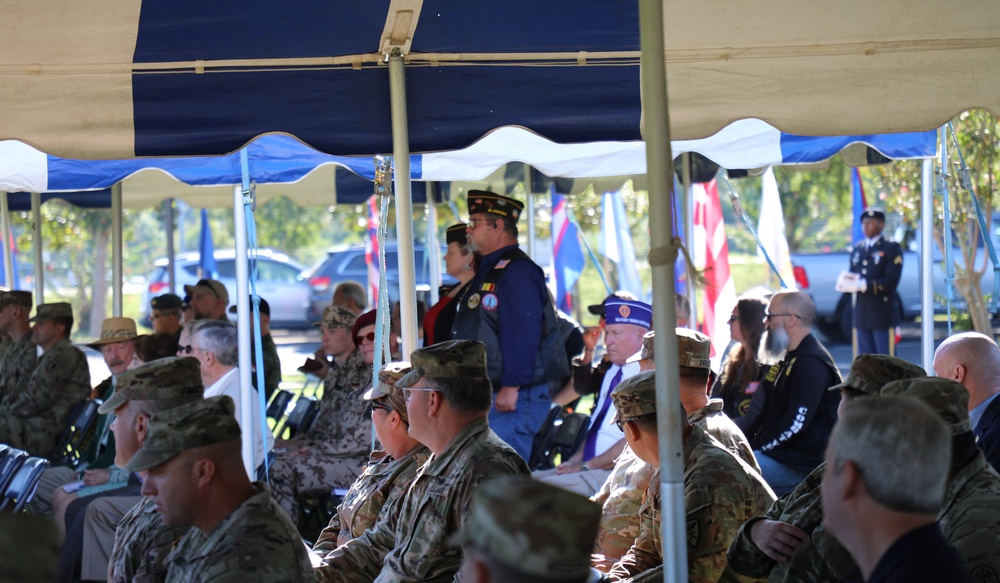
column 369, row 337
column 185, row 349
column 376, row 406
column 733, row 318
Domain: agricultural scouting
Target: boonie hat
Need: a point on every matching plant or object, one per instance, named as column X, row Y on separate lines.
column 116, row 330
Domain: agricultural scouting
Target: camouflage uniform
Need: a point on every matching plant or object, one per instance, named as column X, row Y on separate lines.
column 35, row 419
column 721, row 427
column 339, row 442
column 257, row 542
column 142, row 543
column 382, row 484
column 621, row 498
column 30, row 549
column 720, row 493
column 16, row 366
column 531, row 528
column 272, row 365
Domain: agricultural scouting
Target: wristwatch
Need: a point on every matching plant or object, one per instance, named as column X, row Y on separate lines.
column 584, row 467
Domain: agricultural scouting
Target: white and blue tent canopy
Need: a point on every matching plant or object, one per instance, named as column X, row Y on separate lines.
column 130, row 78
column 281, row 165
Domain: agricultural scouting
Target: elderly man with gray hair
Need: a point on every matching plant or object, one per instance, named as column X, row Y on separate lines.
column 214, row 344
column 882, row 511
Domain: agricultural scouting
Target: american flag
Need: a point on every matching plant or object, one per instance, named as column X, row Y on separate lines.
column 371, row 251
column 712, row 252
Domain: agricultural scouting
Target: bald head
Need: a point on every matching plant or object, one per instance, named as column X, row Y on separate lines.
column 972, row 359
column 798, row 303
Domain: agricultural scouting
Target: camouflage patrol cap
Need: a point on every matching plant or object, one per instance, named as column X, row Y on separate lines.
column 206, row 422
column 166, row 302
column 45, row 312
column 495, row 205
column 948, row 399
column 337, row 317
column 635, row 396
column 15, row 298
column 388, row 375
column 451, row 359
column 693, row 348
column 30, row 548
column 533, row 527
column 869, row 372
column 165, row 378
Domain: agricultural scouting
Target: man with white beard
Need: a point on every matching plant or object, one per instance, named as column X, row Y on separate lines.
column 792, row 413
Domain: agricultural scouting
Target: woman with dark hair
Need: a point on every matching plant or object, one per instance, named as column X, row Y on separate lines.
column 461, row 263
column 740, row 373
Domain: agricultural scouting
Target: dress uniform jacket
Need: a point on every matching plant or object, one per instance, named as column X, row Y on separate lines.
column 881, row 265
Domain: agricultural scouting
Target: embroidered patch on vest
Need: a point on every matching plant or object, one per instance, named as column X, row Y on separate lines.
column 490, row 302
column 473, row 302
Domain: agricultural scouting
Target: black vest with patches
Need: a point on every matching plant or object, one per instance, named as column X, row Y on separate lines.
column 472, row 322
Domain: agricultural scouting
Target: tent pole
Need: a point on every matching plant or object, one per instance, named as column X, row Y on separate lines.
column 168, row 213
column 36, row 230
column 8, row 248
column 117, row 270
column 689, row 233
column 243, row 331
column 404, row 204
column 529, row 207
column 662, row 256
column 927, row 266
column 433, row 250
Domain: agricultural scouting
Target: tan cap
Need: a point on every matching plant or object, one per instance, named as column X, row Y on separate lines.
column 209, row 286
column 116, row 330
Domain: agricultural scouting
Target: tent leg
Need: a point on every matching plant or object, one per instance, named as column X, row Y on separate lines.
column 927, row 266
column 404, row 204
column 433, row 250
column 36, row 226
column 8, row 248
column 662, row 256
column 117, row 270
column 529, row 207
column 168, row 213
column 243, row 332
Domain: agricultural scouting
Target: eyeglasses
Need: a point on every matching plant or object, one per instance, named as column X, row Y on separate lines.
column 370, row 337
column 471, row 223
column 407, row 393
column 185, row 349
column 733, row 318
column 767, row 317
column 376, row 406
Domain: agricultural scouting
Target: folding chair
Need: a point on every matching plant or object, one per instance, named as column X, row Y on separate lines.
column 82, row 422
column 572, row 432
column 279, row 405
column 23, row 486
column 541, row 447
column 9, row 464
column 301, row 418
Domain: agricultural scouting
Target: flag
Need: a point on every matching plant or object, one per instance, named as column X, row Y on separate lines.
column 860, row 204
column 771, row 229
column 371, row 251
column 566, row 251
column 713, row 250
column 206, row 250
column 678, row 228
column 11, row 282
column 616, row 243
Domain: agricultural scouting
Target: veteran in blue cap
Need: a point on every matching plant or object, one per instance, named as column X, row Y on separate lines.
column 508, row 308
column 879, row 263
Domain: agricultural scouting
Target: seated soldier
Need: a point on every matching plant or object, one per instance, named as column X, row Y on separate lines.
column 387, row 476
column 195, row 475
column 720, row 490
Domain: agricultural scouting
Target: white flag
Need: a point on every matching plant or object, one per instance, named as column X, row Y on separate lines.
column 771, row 229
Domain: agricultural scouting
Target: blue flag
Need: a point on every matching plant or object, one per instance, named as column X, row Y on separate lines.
column 206, row 250
column 860, row 204
column 566, row 250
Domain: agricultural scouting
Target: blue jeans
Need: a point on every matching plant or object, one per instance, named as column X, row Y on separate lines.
column 780, row 477
column 518, row 427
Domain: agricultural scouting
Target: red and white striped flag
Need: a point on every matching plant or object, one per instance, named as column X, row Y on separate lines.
column 371, row 251
column 711, row 253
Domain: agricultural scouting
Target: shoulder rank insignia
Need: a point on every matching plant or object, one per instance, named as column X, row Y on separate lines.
column 898, row 260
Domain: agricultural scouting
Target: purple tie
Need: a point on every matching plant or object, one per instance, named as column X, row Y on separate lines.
column 590, row 446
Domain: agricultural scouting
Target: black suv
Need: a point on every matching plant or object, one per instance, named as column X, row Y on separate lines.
column 348, row 264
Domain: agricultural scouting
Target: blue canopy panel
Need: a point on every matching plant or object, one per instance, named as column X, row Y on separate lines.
column 341, row 110
column 905, row 146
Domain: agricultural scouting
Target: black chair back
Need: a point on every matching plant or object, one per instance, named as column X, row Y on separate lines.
column 82, row 422
column 302, row 416
column 23, row 486
column 12, row 460
column 541, row 447
column 572, row 432
column 279, row 404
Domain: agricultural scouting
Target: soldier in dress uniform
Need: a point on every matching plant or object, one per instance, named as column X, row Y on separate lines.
column 880, row 265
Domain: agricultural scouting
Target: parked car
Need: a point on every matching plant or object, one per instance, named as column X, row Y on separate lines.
column 348, row 264
column 279, row 282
